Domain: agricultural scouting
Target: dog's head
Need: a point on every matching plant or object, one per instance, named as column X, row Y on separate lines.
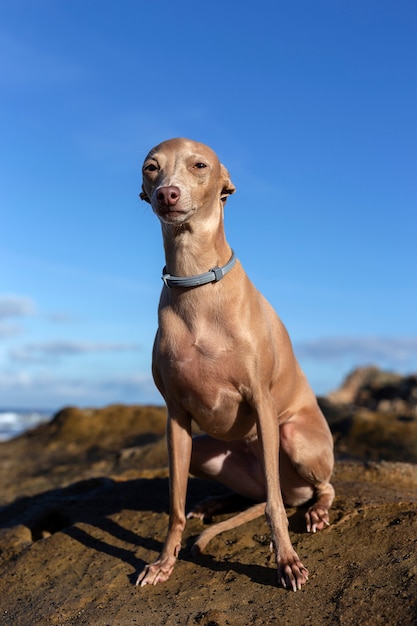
column 182, row 177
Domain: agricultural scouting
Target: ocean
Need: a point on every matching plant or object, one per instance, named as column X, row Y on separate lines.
column 13, row 422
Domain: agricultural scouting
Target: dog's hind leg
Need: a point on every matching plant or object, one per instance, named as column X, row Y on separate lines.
column 306, row 461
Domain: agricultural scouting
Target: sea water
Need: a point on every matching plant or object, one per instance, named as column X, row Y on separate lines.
column 13, row 422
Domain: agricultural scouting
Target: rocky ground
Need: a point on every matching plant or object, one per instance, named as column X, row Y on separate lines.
column 83, row 505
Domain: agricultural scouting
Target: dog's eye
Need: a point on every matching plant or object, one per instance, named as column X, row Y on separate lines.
column 200, row 166
column 150, row 167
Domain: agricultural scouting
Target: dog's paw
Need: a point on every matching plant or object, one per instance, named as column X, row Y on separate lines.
column 208, row 507
column 157, row 572
column 317, row 518
column 292, row 574
column 198, row 513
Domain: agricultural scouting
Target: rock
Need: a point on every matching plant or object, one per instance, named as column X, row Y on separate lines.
column 373, row 416
column 108, row 427
column 82, row 444
column 85, row 506
column 384, row 392
column 77, row 551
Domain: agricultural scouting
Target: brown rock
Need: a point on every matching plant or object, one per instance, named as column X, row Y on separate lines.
column 380, row 391
column 85, row 506
column 78, row 551
column 81, row 444
column 373, row 416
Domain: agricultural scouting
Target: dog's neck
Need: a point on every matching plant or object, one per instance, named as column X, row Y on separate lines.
column 193, row 248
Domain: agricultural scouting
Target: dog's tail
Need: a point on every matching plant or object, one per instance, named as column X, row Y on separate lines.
column 233, row 522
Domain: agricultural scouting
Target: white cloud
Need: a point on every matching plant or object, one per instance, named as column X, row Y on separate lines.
column 396, row 351
column 48, row 391
column 59, row 317
column 9, row 330
column 38, row 352
column 16, row 306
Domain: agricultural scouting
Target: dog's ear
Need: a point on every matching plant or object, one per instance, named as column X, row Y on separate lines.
column 143, row 195
column 228, row 187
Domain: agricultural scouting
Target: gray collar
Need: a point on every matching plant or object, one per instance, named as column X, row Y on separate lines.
column 212, row 276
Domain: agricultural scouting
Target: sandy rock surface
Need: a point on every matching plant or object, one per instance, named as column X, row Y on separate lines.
column 84, row 504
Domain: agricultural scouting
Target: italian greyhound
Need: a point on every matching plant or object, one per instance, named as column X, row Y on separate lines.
column 223, row 359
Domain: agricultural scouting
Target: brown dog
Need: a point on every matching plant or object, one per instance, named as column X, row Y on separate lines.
column 223, row 358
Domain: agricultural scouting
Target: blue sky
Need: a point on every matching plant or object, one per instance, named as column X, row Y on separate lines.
column 312, row 107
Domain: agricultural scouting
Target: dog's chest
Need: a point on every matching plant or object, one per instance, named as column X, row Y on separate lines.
column 195, row 361
column 186, row 345
column 203, row 372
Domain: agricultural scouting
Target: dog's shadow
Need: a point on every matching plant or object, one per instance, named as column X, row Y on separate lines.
column 94, row 503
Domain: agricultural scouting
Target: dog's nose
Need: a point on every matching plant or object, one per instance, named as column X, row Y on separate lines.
column 168, row 196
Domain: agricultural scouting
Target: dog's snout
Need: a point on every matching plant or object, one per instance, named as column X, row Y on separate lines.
column 168, row 196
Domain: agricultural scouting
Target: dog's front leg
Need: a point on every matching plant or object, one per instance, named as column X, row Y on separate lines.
column 291, row 572
column 179, row 449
